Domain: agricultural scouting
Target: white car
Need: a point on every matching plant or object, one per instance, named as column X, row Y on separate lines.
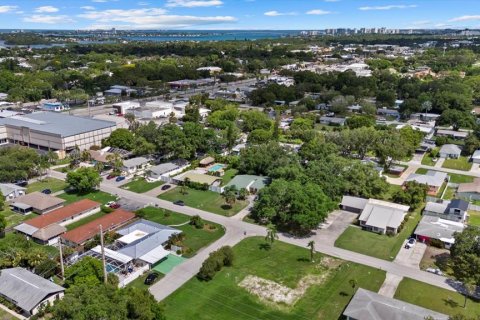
column 435, row 271
column 410, row 243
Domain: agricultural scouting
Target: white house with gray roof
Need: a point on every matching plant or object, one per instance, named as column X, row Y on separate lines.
column 376, row 215
column 368, row 305
column 433, row 179
column 28, row 291
column 433, row 227
column 166, row 170
column 10, row 191
column 454, row 210
column 451, row 151
column 135, row 165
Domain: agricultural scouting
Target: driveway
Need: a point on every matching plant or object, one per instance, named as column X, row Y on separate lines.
column 334, row 226
column 390, row 285
column 411, row 257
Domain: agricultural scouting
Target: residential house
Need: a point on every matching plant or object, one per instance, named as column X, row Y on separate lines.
column 433, row 179
column 251, row 183
column 451, row 151
column 369, row 305
column 27, row 291
column 52, row 106
column 459, row 135
column 476, row 156
column 469, row 191
column 332, row 121
column 135, row 165
column 166, row 170
column 376, row 215
column 425, row 116
column 434, row 227
column 11, row 191
column 388, row 113
column 36, row 202
column 454, row 210
column 195, row 177
column 46, row 229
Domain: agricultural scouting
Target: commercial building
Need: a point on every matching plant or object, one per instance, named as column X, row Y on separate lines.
column 54, row 131
column 27, row 291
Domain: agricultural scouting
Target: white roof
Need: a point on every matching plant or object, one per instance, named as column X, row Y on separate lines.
column 155, row 255
column 117, row 256
column 133, row 236
column 26, row 228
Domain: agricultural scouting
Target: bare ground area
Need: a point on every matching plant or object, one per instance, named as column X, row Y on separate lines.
column 435, row 258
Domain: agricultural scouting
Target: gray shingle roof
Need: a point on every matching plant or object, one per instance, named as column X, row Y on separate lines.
column 431, row 178
column 437, row 228
column 59, row 124
column 368, row 305
column 450, row 149
column 7, row 188
column 354, row 202
column 26, row 288
column 135, row 162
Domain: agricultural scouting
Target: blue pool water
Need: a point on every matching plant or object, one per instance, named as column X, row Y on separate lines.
column 216, row 168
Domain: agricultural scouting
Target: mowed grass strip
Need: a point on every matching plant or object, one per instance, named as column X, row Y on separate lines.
column 195, row 239
column 48, row 183
column 85, row 220
column 461, row 163
column 140, row 185
column 436, row 299
column 204, row 200
column 377, row 245
column 98, row 196
column 223, row 299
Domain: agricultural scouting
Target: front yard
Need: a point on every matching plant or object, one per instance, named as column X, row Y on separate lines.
column 195, row 239
column 461, row 163
column 324, row 296
column 14, row 218
column 427, row 159
column 47, row 183
column 437, row 299
column 140, row 185
column 377, row 245
column 204, row 200
column 98, row 196
column 474, row 219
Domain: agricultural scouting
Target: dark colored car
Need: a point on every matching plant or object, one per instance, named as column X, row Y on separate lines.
column 120, row 178
column 110, row 177
column 46, row 191
column 179, row 203
column 21, row 183
column 151, row 278
column 166, row 187
column 115, row 206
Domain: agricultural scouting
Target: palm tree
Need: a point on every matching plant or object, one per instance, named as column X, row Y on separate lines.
column 115, row 160
column 271, row 234
column 311, row 245
column 52, row 156
column 85, row 156
column 99, row 166
column 230, row 196
column 183, row 187
column 470, row 288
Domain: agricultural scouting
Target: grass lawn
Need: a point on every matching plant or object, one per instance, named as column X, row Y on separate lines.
column 139, row 282
column 4, row 315
column 427, row 159
column 204, row 200
column 195, row 239
column 85, row 220
column 14, row 218
column 461, row 163
column 222, row 297
column 391, row 191
column 48, row 183
column 228, row 176
column 450, row 193
column 437, row 299
column 454, row 178
column 140, row 185
column 12, row 241
column 99, row 196
column 474, row 219
column 377, row 245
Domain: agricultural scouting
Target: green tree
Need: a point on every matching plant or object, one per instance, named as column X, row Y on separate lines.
column 120, row 138
column 465, row 255
column 272, row 234
column 229, row 194
column 413, row 195
column 84, row 180
column 360, row 121
column 115, row 161
column 457, row 119
column 3, row 225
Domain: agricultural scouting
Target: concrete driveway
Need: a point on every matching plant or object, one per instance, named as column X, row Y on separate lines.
column 334, row 226
column 411, row 257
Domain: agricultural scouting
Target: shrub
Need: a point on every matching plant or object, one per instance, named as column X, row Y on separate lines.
column 436, row 243
column 106, row 209
column 197, row 222
column 214, row 263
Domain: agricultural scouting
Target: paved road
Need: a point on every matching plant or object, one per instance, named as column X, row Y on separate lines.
column 235, row 233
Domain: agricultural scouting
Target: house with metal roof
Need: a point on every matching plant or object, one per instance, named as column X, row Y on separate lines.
column 368, row 305
column 434, row 227
column 475, row 156
column 454, row 210
column 135, row 165
column 451, row 151
column 433, row 179
column 36, row 202
column 376, row 215
column 11, row 191
column 27, row 291
column 251, row 183
column 167, row 169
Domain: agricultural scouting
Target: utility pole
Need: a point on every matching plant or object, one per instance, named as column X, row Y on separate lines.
column 62, row 268
column 103, row 256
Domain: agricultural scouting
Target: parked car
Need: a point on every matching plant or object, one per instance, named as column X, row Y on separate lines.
column 435, row 271
column 110, row 177
column 46, row 191
column 21, row 183
column 113, row 205
column 120, row 178
column 151, row 278
column 410, row 243
column 166, row 187
column 179, row 203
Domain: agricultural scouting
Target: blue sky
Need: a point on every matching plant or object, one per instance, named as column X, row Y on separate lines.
column 237, row 14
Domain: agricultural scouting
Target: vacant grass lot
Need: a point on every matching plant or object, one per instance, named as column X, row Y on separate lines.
column 14, row 218
column 204, row 200
column 195, row 239
column 98, row 196
column 437, row 299
column 85, row 220
column 222, row 298
column 48, row 183
column 461, row 163
column 427, row 159
column 474, row 219
column 454, row 178
column 377, row 245
column 140, row 185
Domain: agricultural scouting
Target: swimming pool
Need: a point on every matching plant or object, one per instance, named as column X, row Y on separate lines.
column 216, row 167
column 111, row 268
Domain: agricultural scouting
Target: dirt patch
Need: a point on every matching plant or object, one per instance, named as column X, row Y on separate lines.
column 435, row 258
column 330, row 263
column 271, row 291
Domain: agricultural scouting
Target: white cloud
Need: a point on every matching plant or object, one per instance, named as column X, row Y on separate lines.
column 5, row 9
column 87, row 8
column 46, row 9
column 318, row 12
column 275, row 13
column 389, row 7
column 331, row 0
column 148, row 18
column 193, row 3
column 465, row 18
column 48, row 19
